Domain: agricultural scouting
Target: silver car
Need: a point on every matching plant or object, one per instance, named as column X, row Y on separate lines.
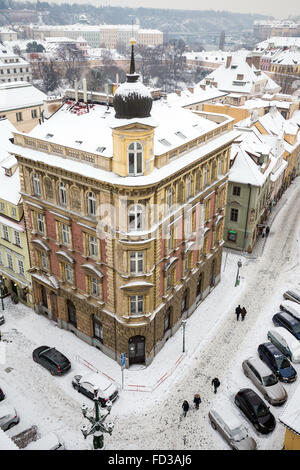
column 8, row 416
column 265, row 380
column 226, row 422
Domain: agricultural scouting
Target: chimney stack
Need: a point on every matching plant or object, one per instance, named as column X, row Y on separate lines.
column 84, row 90
column 228, row 61
column 76, row 90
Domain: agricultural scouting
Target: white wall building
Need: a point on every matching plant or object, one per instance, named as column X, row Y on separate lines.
column 12, row 67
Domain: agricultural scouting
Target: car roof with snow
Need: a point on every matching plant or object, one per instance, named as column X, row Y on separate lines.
column 261, row 367
column 6, row 409
column 290, row 339
column 291, row 306
column 226, row 413
column 96, row 379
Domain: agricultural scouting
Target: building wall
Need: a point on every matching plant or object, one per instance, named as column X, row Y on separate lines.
column 291, row 441
column 25, row 121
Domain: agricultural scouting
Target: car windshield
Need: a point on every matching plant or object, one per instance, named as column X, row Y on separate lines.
column 282, row 362
column 296, row 328
column 238, row 434
column 269, row 380
column 260, row 409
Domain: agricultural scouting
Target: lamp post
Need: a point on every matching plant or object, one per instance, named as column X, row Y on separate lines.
column 97, row 419
column 2, row 285
column 183, row 335
column 237, row 280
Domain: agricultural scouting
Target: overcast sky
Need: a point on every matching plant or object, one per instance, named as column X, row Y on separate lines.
column 276, row 8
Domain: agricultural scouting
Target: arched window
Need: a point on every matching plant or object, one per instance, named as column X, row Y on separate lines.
column 135, row 159
column 36, row 185
column 136, row 218
column 62, row 194
column 91, row 203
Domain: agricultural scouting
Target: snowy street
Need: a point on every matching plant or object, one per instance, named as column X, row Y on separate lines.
column 216, row 345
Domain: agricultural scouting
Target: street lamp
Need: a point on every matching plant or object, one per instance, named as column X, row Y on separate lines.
column 237, row 280
column 2, row 289
column 183, row 335
column 97, row 419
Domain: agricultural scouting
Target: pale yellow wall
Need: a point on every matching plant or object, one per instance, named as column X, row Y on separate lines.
column 28, row 122
column 237, row 113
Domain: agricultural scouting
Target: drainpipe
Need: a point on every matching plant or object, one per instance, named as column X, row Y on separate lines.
column 246, row 224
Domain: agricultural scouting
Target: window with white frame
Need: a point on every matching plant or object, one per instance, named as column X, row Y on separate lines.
column 169, row 198
column 13, row 212
column 91, row 204
column 136, row 218
column 21, row 267
column 10, row 264
column 205, row 176
column 136, row 262
column 68, row 273
column 169, row 280
column 136, row 304
column 5, row 233
column 44, row 260
column 36, row 185
column 62, row 194
column 93, row 246
column 135, row 159
column 95, row 290
column 188, row 188
column 2, row 207
column 188, row 225
column 98, row 329
column 17, row 238
column 40, row 223
column 65, row 234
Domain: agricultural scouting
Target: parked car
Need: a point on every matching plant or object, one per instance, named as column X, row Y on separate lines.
column 8, row 416
column 51, row 359
column 291, row 307
column 285, row 342
column 287, row 321
column 49, row 442
column 86, row 384
column 224, row 420
column 265, row 380
column 255, row 410
column 277, row 362
column 293, row 294
column 2, row 319
column 2, row 395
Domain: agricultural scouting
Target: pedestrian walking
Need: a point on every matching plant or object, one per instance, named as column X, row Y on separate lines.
column 197, row 400
column 267, row 231
column 243, row 313
column 263, row 232
column 185, row 407
column 216, row 383
column 238, row 311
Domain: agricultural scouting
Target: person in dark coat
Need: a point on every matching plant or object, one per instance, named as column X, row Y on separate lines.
column 216, row 383
column 267, row 231
column 185, row 407
column 243, row 313
column 238, row 311
column 197, row 400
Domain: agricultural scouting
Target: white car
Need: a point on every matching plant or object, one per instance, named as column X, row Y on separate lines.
column 285, row 342
column 49, row 442
column 231, row 428
column 107, row 390
column 291, row 307
column 8, row 416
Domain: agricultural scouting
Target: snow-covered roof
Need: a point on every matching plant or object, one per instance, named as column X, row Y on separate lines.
column 287, row 57
column 18, row 95
column 9, row 185
column 278, row 42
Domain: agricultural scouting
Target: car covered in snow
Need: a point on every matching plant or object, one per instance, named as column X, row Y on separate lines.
column 277, row 362
column 287, row 321
column 86, row 384
column 255, row 409
column 49, row 442
column 293, row 294
column 291, row 307
column 265, row 380
column 51, row 359
column 286, row 343
column 226, row 422
column 8, row 416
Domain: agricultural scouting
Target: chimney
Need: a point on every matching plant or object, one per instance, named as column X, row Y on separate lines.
column 76, row 90
column 228, row 61
column 51, row 105
column 191, row 89
column 84, row 90
column 203, row 86
column 178, row 92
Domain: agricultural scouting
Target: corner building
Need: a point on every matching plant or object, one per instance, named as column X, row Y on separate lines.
column 124, row 210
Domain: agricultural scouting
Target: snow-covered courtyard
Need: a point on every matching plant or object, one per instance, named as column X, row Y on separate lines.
column 216, row 345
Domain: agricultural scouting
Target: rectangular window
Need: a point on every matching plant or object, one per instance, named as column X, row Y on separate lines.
column 98, row 330
column 9, row 261
column 188, row 189
column 93, row 246
column 13, row 212
column 17, row 238
column 19, row 116
column 136, row 262
column 136, row 304
column 34, row 114
column 169, row 280
column 44, row 260
column 236, row 190
column 68, row 273
column 169, row 198
column 188, row 225
column 234, row 215
column 21, row 267
column 2, row 207
column 40, row 223
column 65, row 234
column 5, row 233
column 95, row 287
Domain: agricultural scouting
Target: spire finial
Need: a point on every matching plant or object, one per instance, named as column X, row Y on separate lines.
column 132, row 63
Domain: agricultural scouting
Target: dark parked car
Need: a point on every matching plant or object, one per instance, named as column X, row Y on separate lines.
column 51, row 359
column 2, row 396
column 255, row 410
column 277, row 362
column 293, row 294
column 288, row 322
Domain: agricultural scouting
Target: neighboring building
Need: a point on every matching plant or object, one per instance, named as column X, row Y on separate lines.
column 22, row 104
column 7, row 34
column 278, row 42
column 124, row 211
column 290, row 419
column 14, row 251
column 255, row 184
column 265, row 29
column 12, row 67
column 207, row 59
